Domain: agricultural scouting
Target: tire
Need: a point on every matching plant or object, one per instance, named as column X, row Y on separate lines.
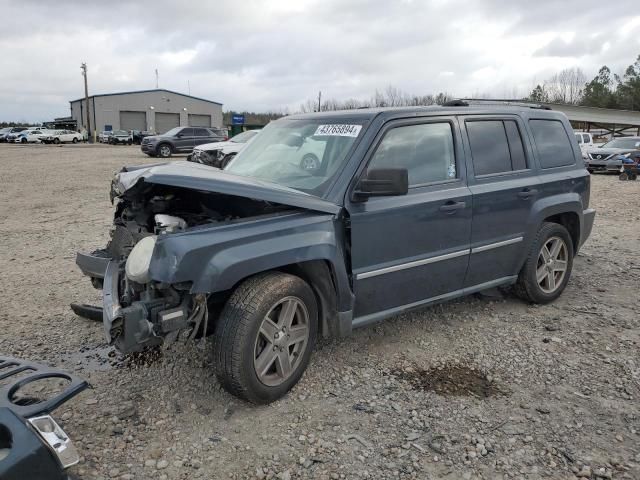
column 164, row 150
column 633, row 177
column 75, row 140
column 528, row 287
column 226, row 159
column 24, row 140
column 623, row 176
column 240, row 341
column 56, row 141
column 129, row 142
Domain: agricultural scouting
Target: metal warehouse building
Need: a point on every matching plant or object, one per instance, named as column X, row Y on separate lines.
column 156, row 110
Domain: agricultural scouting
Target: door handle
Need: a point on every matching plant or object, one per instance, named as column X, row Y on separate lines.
column 451, row 207
column 527, row 193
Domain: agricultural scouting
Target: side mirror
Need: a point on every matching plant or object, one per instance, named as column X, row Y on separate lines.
column 382, row 182
column 179, row 135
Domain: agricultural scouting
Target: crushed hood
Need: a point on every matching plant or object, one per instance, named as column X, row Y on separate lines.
column 204, row 178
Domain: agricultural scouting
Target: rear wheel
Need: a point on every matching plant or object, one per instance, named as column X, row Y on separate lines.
column 265, row 336
column 164, row 150
column 547, row 269
column 56, row 141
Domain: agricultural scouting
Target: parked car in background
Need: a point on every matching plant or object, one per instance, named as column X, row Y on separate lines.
column 138, row 135
column 9, row 131
column 120, row 137
column 62, row 136
column 585, row 140
column 406, row 207
column 219, row 154
column 180, row 140
column 605, row 158
column 103, row 137
column 31, row 136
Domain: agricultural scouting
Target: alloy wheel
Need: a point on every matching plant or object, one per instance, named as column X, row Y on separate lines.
column 553, row 260
column 281, row 341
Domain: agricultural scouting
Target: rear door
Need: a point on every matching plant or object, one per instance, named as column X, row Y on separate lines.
column 504, row 185
column 407, row 250
column 202, row 136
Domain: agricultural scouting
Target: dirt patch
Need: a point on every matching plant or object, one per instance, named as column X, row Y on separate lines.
column 451, row 380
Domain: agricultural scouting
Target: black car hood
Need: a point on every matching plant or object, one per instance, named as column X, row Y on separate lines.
column 204, row 178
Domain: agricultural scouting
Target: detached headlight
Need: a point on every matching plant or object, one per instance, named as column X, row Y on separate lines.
column 137, row 266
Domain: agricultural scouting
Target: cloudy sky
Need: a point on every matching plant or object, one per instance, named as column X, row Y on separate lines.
column 273, row 54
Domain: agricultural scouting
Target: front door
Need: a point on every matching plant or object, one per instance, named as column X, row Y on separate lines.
column 184, row 142
column 408, row 250
column 504, row 185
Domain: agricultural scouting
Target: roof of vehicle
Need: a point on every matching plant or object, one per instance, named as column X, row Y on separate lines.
column 370, row 113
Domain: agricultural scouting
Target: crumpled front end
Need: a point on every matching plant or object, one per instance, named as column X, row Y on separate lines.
column 144, row 308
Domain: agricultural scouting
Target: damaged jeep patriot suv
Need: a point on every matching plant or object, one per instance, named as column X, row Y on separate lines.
column 404, row 208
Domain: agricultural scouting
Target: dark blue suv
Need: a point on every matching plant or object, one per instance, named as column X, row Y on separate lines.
column 402, row 208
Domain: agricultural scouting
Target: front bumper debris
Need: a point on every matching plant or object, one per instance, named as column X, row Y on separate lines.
column 128, row 328
column 92, row 265
column 32, row 444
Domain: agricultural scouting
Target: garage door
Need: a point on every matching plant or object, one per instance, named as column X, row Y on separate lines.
column 166, row 121
column 199, row 120
column 133, row 121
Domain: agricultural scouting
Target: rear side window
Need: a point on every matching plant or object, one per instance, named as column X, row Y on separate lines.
column 554, row 147
column 496, row 146
column 202, row 132
column 426, row 151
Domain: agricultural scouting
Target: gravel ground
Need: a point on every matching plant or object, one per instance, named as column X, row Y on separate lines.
column 484, row 387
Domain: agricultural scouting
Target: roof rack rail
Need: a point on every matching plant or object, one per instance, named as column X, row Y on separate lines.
column 455, row 103
column 490, row 101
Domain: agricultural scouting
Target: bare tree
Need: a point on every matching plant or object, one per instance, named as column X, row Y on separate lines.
column 566, row 86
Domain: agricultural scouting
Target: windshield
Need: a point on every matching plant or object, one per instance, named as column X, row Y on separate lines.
column 623, row 143
column 121, row 132
column 244, row 137
column 301, row 154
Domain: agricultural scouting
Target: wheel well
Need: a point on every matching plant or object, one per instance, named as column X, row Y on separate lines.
column 320, row 277
column 571, row 222
column 165, row 143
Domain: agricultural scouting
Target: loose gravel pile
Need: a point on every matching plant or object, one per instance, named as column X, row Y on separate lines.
column 484, row 387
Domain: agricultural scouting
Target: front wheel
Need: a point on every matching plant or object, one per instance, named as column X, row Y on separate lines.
column 265, row 336
column 547, row 269
column 56, row 141
column 75, row 140
column 164, row 151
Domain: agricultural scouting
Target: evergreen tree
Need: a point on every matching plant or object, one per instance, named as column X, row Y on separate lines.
column 628, row 91
column 599, row 92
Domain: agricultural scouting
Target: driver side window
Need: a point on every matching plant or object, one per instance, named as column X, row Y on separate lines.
column 426, row 151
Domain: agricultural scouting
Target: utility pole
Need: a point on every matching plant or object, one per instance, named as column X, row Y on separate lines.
column 156, row 78
column 83, row 67
column 319, row 99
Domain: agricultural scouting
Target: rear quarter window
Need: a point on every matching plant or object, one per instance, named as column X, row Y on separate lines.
column 552, row 142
